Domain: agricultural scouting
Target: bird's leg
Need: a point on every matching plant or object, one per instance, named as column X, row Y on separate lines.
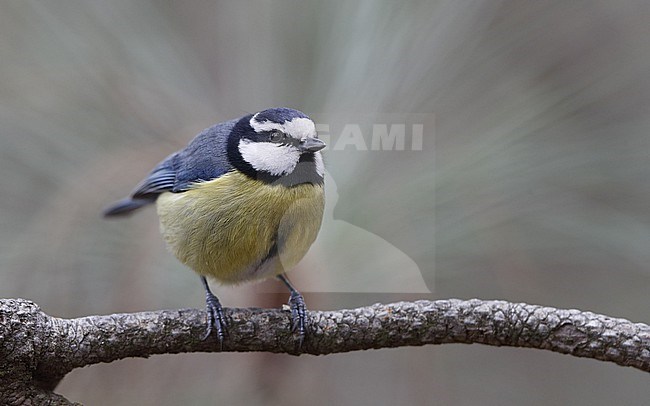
column 297, row 305
column 216, row 318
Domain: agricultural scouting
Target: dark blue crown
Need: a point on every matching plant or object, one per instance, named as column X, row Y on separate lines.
column 279, row 115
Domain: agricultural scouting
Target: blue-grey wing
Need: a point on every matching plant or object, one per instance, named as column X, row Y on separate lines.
column 204, row 158
column 161, row 179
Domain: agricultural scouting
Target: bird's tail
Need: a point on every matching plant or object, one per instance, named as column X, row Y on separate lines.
column 126, row 206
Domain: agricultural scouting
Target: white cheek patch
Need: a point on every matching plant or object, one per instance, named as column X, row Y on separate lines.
column 269, row 157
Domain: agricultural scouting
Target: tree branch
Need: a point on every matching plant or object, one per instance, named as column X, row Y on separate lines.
column 37, row 351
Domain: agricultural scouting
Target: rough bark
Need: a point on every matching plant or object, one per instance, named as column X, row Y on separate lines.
column 36, row 350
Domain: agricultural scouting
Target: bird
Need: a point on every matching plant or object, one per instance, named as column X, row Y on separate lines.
column 243, row 201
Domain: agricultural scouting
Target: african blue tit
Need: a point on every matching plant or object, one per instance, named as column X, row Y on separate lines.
column 242, row 201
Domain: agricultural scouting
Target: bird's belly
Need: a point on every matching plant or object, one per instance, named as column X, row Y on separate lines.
column 234, row 228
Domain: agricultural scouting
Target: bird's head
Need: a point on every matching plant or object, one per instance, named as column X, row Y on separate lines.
column 275, row 144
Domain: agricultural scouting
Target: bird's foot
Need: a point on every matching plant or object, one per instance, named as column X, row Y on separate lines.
column 216, row 318
column 298, row 319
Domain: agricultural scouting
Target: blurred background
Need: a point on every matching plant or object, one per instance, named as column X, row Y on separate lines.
column 531, row 184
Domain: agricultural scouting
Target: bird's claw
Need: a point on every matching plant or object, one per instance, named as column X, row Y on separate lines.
column 216, row 319
column 298, row 316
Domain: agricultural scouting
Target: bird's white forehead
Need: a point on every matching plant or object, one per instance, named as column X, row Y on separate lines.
column 299, row 127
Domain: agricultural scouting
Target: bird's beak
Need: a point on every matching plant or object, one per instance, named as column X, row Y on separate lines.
column 311, row 144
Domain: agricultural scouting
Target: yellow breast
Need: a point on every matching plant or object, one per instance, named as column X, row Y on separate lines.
column 227, row 227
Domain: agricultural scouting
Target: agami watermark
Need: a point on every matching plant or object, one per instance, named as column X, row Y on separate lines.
column 394, row 133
